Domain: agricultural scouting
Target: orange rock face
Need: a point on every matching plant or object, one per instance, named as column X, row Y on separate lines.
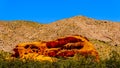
column 62, row 47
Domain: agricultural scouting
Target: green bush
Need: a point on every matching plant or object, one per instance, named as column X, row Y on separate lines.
column 77, row 61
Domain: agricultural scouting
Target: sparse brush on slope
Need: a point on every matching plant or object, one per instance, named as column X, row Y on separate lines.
column 78, row 61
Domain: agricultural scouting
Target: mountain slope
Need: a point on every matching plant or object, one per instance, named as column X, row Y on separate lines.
column 101, row 30
column 14, row 32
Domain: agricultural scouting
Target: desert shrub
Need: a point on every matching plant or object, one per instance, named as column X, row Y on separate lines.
column 114, row 61
column 77, row 61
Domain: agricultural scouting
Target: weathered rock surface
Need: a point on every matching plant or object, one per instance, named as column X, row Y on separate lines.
column 62, row 47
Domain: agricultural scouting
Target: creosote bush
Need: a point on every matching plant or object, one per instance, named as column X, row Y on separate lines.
column 77, row 61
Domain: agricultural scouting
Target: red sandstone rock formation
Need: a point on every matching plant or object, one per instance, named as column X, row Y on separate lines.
column 63, row 47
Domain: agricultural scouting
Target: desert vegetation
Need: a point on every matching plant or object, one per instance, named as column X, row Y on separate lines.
column 78, row 61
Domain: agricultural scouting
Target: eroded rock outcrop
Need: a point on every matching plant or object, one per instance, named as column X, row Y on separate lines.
column 51, row 50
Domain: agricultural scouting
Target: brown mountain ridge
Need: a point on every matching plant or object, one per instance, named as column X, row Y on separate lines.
column 104, row 34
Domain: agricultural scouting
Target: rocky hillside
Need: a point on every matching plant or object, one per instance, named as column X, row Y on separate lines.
column 103, row 32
